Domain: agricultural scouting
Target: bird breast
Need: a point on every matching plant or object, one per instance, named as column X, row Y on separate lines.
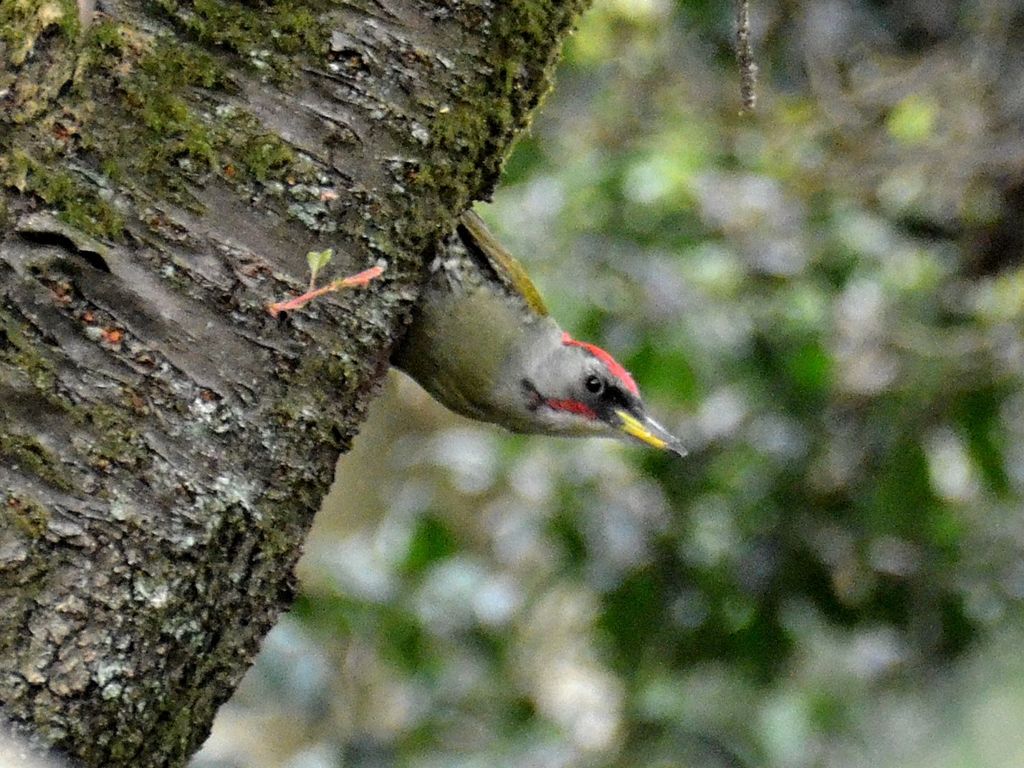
column 459, row 346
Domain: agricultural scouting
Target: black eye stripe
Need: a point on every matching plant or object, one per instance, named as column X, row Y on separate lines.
column 615, row 397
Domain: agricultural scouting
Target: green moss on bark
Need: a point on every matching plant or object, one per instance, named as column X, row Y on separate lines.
column 470, row 139
column 167, row 133
column 137, row 119
column 118, row 440
column 20, row 353
column 31, row 456
column 266, row 37
column 77, row 203
column 28, row 515
column 22, row 22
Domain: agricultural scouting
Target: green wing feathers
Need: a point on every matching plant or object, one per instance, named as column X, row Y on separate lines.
column 479, row 240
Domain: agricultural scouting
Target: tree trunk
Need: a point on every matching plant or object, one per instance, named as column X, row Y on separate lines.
column 165, row 442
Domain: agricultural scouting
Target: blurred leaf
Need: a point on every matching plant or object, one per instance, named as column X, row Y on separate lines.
column 431, row 541
column 978, row 416
column 913, row 119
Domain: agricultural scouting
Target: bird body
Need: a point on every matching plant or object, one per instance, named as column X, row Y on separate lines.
column 483, row 344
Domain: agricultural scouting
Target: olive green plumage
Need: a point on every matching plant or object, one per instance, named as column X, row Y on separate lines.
column 490, row 253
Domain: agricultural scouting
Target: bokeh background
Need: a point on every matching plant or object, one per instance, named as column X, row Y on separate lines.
column 825, row 300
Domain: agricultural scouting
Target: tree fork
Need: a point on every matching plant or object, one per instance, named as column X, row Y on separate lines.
column 164, row 441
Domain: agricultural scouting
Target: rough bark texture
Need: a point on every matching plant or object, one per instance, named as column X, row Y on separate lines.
column 164, row 442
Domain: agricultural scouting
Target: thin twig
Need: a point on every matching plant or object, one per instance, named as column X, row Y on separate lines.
column 745, row 57
column 353, row 281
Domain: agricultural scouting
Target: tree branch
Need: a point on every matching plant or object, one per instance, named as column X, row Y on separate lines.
column 164, row 442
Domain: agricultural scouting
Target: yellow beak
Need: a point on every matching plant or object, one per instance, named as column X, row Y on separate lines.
column 650, row 432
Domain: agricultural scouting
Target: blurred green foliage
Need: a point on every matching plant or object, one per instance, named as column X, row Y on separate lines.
column 826, row 301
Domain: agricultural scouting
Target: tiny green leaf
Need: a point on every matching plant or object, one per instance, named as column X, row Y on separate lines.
column 318, row 260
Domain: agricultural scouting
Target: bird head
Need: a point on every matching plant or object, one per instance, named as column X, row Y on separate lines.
column 574, row 388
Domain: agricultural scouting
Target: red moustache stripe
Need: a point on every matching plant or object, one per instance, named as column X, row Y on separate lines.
column 573, row 406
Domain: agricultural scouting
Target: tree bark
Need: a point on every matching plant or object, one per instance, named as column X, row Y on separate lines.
column 165, row 442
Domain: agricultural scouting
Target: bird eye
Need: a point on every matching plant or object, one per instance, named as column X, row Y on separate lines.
column 594, row 385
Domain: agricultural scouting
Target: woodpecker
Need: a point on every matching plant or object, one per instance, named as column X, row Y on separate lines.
column 483, row 344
